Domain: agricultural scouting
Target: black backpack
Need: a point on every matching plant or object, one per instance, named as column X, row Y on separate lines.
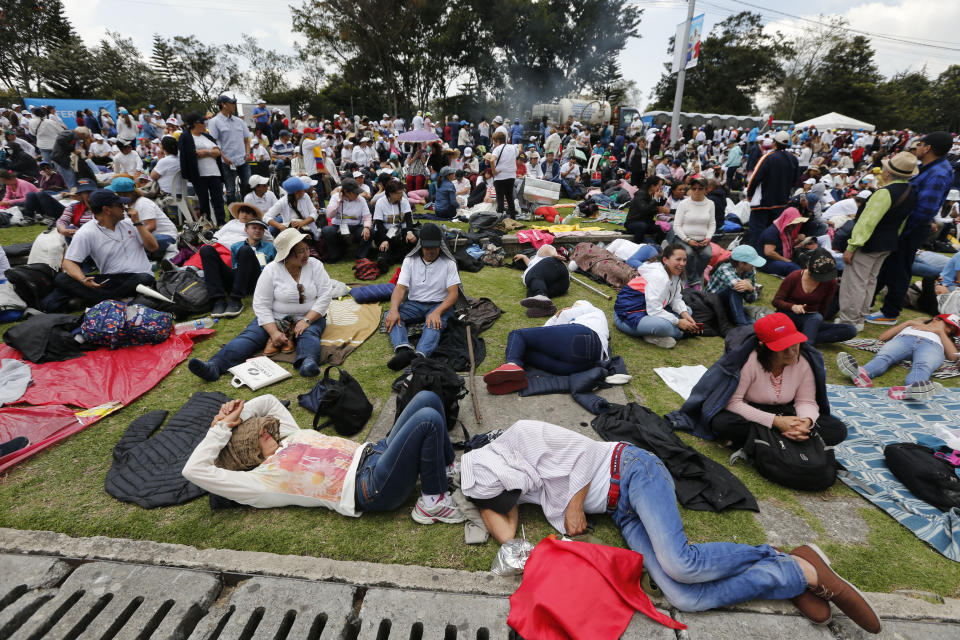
column 32, row 282
column 187, row 290
column 425, row 374
column 929, row 478
column 807, row 466
column 344, row 402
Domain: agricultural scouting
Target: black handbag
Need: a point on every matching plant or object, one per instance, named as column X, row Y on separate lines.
column 807, row 465
column 932, row 479
column 344, row 403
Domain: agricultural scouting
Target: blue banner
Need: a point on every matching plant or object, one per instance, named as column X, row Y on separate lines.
column 67, row 109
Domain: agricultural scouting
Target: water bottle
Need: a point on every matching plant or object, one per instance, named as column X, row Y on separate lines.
column 192, row 325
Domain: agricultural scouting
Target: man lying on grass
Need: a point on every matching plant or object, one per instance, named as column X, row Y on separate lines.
column 255, row 454
column 570, row 475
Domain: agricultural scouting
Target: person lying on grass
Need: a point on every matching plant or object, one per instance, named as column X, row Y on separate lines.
column 255, row 454
column 570, row 475
column 927, row 343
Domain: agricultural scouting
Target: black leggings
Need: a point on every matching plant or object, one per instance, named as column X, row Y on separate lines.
column 731, row 426
column 42, row 204
column 549, row 277
column 504, row 189
column 222, row 280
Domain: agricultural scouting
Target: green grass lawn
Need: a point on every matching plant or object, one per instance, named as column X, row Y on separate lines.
column 61, row 488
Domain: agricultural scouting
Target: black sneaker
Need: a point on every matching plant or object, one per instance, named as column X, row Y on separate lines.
column 234, row 308
column 205, row 370
column 219, row 308
column 400, row 359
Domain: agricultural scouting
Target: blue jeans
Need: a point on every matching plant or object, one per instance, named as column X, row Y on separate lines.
column 733, row 300
column 693, row 577
column 781, row 268
column 649, row 326
column 69, row 175
column 46, row 154
column 926, row 355
column 418, row 446
column 643, row 254
column 928, row 264
column 230, row 175
column 560, row 349
column 254, row 338
column 819, row 332
column 163, row 241
column 418, row 311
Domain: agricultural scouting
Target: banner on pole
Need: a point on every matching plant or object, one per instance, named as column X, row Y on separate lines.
column 693, row 44
column 68, row 109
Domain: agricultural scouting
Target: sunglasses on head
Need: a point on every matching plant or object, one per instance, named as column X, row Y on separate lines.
column 300, row 290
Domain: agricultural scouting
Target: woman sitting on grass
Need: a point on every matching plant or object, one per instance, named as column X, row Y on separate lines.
column 927, row 343
column 255, row 454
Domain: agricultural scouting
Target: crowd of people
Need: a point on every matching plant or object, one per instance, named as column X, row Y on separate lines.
column 837, row 215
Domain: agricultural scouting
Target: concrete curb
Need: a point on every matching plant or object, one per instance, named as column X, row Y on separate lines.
column 889, row 606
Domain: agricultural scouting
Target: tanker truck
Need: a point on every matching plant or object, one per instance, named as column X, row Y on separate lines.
column 586, row 110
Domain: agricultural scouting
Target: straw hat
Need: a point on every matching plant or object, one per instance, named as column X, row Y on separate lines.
column 286, row 240
column 902, row 165
column 235, row 206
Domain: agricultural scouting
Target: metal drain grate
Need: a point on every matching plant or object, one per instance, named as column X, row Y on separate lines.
column 392, row 614
column 279, row 609
column 105, row 600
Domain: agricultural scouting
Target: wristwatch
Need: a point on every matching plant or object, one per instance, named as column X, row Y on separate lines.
column 138, row 224
column 306, row 319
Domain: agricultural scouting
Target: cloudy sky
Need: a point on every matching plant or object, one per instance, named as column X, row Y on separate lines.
column 908, row 34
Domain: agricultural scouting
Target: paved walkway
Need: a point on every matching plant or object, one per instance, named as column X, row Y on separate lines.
column 53, row 586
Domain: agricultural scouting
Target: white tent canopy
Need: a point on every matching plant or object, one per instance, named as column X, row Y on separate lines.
column 834, row 120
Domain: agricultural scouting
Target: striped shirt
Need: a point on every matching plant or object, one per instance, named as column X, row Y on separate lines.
column 547, row 463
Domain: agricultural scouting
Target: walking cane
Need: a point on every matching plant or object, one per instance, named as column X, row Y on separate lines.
column 473, row 367
column 591, row 287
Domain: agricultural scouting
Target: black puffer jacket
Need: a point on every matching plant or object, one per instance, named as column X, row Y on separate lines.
column 146, row 470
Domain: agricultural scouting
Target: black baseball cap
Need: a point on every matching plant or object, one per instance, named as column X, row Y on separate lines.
column 104, row 198
column 939, row 141
column 225, row 98
column 85, row 185
column 430, row 236
column 822, row 265
column 349, row 185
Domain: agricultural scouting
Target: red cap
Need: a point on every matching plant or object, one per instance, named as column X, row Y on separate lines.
column 951, row 319
column 778, row 332
column 311, row 130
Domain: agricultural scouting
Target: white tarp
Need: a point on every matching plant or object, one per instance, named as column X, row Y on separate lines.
column 834, row 120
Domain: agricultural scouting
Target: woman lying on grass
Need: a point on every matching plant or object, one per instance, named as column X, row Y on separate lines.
column 255, row 454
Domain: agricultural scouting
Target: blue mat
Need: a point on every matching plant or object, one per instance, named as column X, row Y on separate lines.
column 874, row 421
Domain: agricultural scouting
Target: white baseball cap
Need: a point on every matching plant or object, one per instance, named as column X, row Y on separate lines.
column 865, row 194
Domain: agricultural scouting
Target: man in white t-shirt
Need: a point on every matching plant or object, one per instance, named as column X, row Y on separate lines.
column 426, row 291
column 153, row 218
column 117, row 245
column 100, row 150
column 127, row 161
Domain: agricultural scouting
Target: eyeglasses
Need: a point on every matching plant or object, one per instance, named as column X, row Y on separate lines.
column 695, row 189
column 300, row 290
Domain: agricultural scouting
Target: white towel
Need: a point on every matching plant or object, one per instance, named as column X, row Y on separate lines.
column 681, row 379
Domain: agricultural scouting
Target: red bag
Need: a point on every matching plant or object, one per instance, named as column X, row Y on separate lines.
column 547, row 213
column 366, row 270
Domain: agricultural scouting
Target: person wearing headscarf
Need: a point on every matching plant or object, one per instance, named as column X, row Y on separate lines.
column 779, row 241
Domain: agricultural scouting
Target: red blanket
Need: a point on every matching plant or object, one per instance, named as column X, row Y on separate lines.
column 96, row 378
column 576, row 590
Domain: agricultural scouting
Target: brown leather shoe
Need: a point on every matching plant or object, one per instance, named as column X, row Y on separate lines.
column 270, row 349
column 837, row 590
column 290, row 347
column 815, row 609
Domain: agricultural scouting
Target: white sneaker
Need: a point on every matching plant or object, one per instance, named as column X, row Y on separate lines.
column 664, row 342
column 445, row 511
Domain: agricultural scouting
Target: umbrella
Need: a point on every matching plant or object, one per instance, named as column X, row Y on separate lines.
column 418, row 135
column 580, row 155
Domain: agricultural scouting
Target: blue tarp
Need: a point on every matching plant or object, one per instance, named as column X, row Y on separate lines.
column 67, row 109
column 873, row 421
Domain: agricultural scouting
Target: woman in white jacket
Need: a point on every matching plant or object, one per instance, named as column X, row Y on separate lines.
column 255, row 454
column 651, row 306
column 694, row 226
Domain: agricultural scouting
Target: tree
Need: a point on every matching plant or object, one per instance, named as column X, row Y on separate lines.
column 850, row 84
column 736, row 60
column 805, row 61
column 907, row 101
column 123, row 74
column 946, row 108
column 546, row 50
column 29, row 33
column 203, row 71
column 70, row 70
column 267, row 70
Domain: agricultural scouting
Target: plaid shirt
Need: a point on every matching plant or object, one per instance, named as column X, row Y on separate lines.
column 724, row 276
column 931, row 185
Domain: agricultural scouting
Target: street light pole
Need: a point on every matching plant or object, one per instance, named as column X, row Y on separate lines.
column 681, row 76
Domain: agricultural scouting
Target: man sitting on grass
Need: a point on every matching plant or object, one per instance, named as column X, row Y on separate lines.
column 255, row 454
column 426, row 291
column 570, row 475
